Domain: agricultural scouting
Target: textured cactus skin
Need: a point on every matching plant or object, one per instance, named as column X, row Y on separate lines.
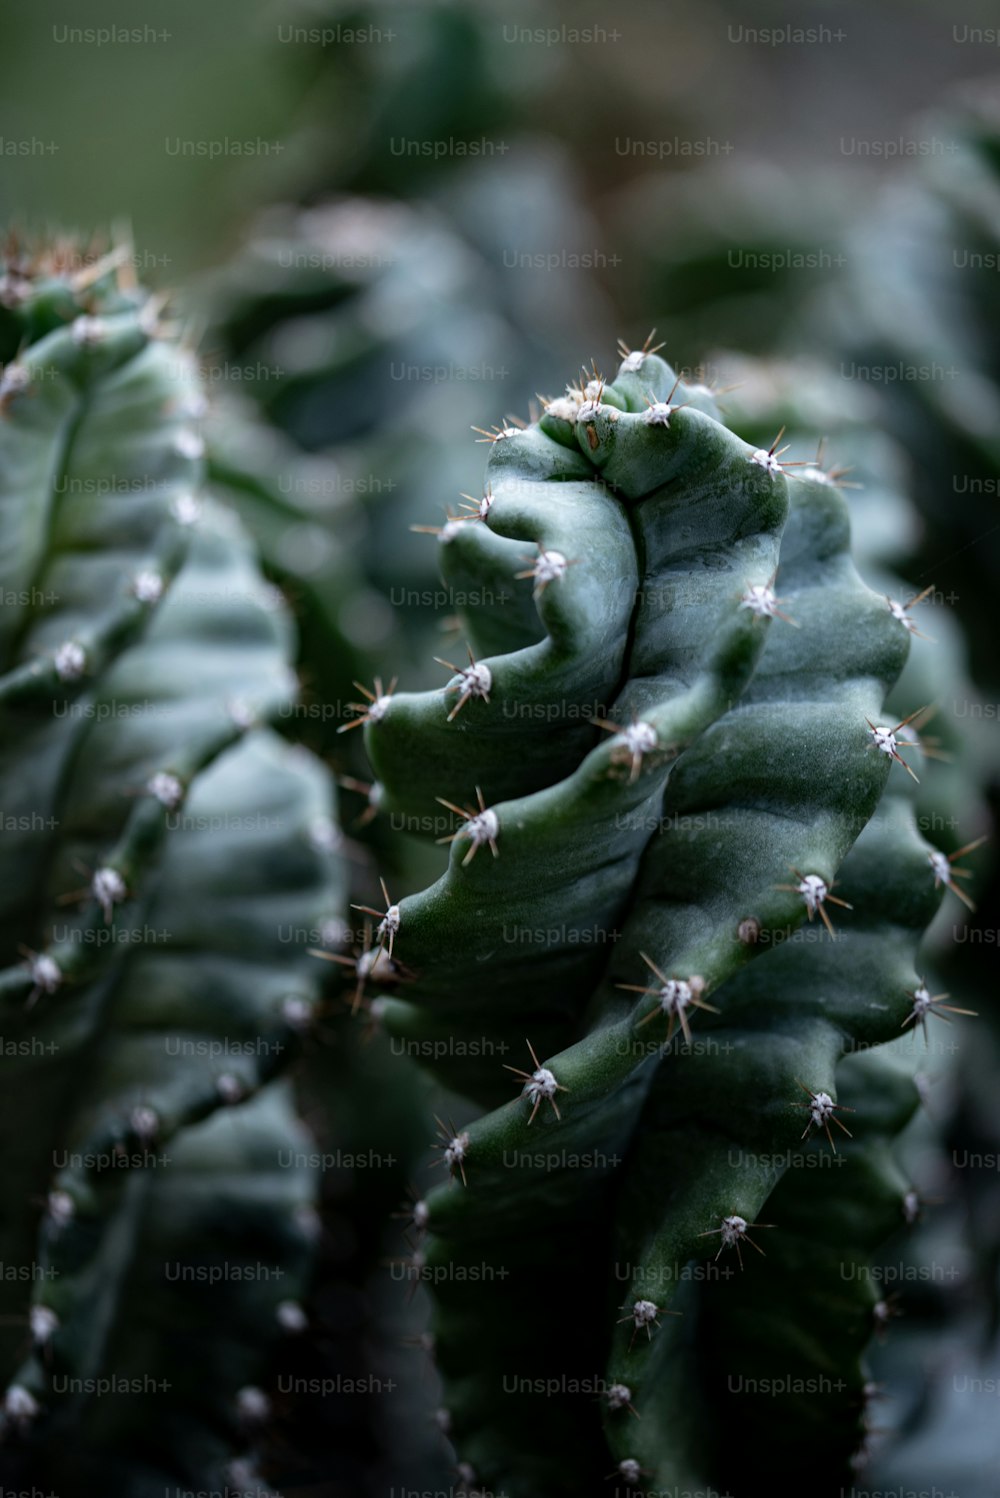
column 575, row 860
column 333, row 312
column 224, row 1203
column 827, row 992
column 778, row 1363
column 358, row 329
column 184, row 997
column 817, row 413
column 763, row 762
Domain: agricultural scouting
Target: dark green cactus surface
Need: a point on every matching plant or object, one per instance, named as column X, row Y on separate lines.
column 683, row 903
column 165, row 855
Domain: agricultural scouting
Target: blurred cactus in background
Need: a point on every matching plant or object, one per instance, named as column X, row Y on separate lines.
column 921, row 330
column 731, row 256
column 161, row 844
column 374, row 337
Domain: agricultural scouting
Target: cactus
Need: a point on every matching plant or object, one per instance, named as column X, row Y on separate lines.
column 922, row 334
column 820, row 413
column 309, row 537
column 164, row 850
column 355, row 328
column 666, row 766
column 321, row 316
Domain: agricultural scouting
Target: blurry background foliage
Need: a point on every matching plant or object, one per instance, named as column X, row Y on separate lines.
column 225, row 71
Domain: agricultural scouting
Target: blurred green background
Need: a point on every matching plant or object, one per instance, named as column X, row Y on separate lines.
column 234, row 70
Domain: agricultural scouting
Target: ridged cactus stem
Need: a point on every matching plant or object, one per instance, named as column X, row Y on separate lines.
column 161, row 839
column 672, row 942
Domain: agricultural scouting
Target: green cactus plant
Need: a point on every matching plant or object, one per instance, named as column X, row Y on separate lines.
column 354, row 328
column 167, row 856
column 921, row 334
column 329, row 323
column 821, row 413
column 667, row 751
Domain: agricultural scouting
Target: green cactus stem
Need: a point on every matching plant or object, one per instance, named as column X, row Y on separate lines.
column 162, row 848
column 665, row 951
